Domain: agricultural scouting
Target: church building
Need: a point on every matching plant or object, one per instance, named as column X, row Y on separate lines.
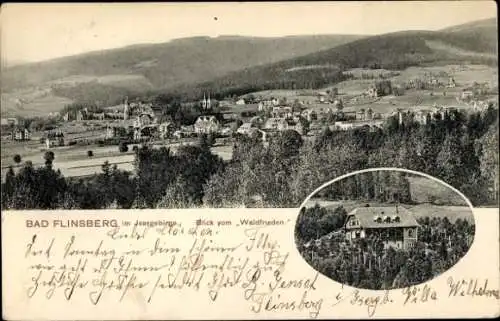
column 206, row 103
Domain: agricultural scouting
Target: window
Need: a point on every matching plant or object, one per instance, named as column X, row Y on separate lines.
column 410, row 232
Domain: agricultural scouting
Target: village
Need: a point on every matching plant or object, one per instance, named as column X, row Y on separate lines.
column 255, row 115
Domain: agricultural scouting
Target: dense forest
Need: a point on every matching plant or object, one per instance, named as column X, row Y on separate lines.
column 460, row 149
column 366, row 263
column 380, row 186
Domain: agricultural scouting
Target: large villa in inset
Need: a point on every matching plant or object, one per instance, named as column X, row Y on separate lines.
column 395, row 225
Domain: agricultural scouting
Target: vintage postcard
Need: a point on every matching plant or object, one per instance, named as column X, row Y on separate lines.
column 300, row 160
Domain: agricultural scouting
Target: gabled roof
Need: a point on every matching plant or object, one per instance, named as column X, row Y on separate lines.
column 273, row 122
column 367, row 217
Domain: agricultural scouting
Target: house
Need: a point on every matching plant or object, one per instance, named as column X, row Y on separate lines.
column 66, row 117
column 369, row 114
column 206, row 125
column 245, row 129
column 281, row 112
column 98, row 116
column 451, row 83
column 275, row 124
column 80, row 115
column 240, row 101
column 394, row 225
column 20, row 134
column 10, row 122
column 466, row 94
column 265, row 105
column 166, row 129
column 338, row 104
column 111, row 132
column 280, row 124
column 309, row 114
column 144, row 119
column 114, row 131
column 184, row 131
column 349, row 125
column 340, row 125
column 372, row 92
column 54, row 139
column 423, row 116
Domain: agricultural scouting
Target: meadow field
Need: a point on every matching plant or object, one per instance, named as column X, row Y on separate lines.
column 73, row 161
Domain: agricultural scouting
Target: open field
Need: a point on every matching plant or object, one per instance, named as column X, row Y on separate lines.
column 25, row 105
column 73, row 160
column 422, row 189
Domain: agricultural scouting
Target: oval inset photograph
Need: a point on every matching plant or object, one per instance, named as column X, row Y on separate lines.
column 383, row 229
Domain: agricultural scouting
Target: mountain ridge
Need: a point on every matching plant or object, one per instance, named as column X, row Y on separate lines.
column 239, row 64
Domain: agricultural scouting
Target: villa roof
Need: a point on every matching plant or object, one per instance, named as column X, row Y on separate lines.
column 367, row 217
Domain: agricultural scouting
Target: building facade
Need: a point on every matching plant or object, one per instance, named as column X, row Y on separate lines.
column 206, row 125
column 395, row 226
column 20, row 134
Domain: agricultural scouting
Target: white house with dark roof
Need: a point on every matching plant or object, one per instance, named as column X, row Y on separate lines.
column 206, row 124
column 394, row 225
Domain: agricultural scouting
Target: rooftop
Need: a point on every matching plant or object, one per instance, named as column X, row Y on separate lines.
column 367, row 217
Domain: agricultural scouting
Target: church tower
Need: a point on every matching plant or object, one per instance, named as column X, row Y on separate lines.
column 208, row 102
column 125, row 109
column 204, row 102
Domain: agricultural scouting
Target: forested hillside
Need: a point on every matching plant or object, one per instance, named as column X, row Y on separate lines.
column 168, row 64
column 394, row 51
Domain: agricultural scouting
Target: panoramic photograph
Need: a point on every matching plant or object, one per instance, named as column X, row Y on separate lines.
column 199, row 105
column 384, row 229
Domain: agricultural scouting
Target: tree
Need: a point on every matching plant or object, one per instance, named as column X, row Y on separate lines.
column 123, row 147
column 90, row 153
column 17, row 159
column 449, row 160
column 176, row 195
column 489, row 159
column 49, row 157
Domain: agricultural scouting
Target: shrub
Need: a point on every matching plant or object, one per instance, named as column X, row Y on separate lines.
column 17, row 159
column 49, row 157
column 123, row 148
column 90, row 153
column 135, row 148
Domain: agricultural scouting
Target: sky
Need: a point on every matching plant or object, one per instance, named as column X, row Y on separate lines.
column 35, row 32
